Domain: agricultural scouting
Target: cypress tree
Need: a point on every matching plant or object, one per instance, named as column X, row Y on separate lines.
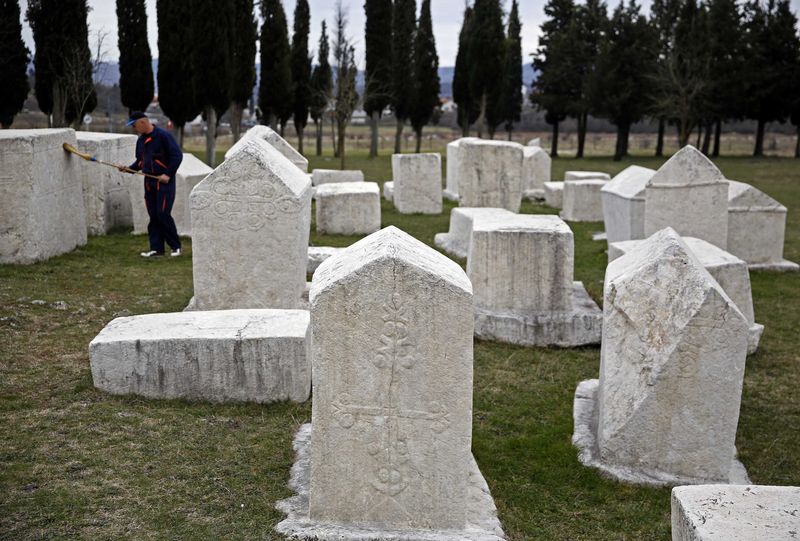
column 403, row 23
column 512, row 80
column 275, row 89
column 487, row 55
column 321, row 86
column 176, row 90
column 426, row 73
column 468, row 111
column 301, row 68
column 378, row 76
column 244, row 34
column 588, row 32
column 135, row 62
column 13, row 63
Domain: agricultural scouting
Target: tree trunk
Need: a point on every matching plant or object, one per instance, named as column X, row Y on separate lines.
column 419, row 140
column 797, row 143
column 211, row 135
column 583, row 119
column 179, row 129
column 342, row 127
column 707, row 137
column 58, row 108
column 509, row 131
column 237, row 110
column 699, row 134
column 684, row 132
column 318, row 129
column 398, row 134
column 759, row 149
column 273, row 121
column 299, row 129
column 717, row 133
column 333, row 138
column 660, row 139
column 373, row 132
column 623, row 129
column 554, row 143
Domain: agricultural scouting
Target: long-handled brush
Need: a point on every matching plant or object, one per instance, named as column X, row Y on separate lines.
column 90, row 158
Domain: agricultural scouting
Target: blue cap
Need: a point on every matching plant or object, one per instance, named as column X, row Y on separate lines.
column 136, row 115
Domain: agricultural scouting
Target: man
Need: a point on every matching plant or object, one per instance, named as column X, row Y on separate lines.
column 157, row 153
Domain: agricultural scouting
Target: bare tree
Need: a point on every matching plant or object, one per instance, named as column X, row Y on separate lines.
column 346, row 95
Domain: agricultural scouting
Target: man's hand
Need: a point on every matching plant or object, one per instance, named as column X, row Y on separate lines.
column 163, row 179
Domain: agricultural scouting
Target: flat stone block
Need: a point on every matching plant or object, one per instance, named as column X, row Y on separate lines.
column 453, row 163
column 219, row 356
column 348, row 208
column 535, row 142
column 191, row 171
column 388, row 190
column 783, row 265
column 329, row 176
column 41, row 195
column 536, row 167
column 623, row 203
column 273, row 138
column 417, row 183
column 318, row 254
column 456, row 241
column 450, row 196
column 586, row 175
column 490, row 174
column 582, row 201
column 533, row 195
column 554, row 194
column 735, row 513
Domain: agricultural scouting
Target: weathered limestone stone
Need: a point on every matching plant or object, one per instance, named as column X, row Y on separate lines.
column 417, row 183
column 672, row 363
column 490, row 174
column 391, row 417
column 536, row 167
column 318, row 254
column 456, row 241
column 453, row 161
column 388, row 190
column 554, row 194
column 106, row 196
column 520, row 266
column 535, row 142
column 586, row 175
column 250, row 226
column 41, row 197
column 191, row 171
column 265, row 133
column 330, row 176
column 582, row 201
column 729, row 271
column 756, row 228
column 623, row 204
column 689, row 194
column 735, row 513
column 348, row 208
column 220, row 356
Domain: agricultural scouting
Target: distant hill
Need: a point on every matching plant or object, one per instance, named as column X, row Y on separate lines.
column 109, row 75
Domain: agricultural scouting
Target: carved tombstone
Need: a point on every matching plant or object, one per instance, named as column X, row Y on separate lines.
column 272, row 138
column 490, row 174
column 536, row 170
column 250, row 228
column 623, row 204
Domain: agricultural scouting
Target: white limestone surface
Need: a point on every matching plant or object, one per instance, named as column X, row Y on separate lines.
column 490, row 174
column 456, row 241
column 623, row 204
column 535, row 142
column 265, row 133
column 672, row 361
column 250, row 226
column 756, row 227
column 735, row 513
column 536, row 170
column 388, row 190
column 554, row 194
column 586, row 175
column 348, row 208
column 690, row 194
column 318, row 254
column 41, row 197
column 191, row 171
column 330, row 176
column 453, row 162
column 219, row 356
column 417, row 183
column 391, row 425
column 582, row 201
column 106, row 195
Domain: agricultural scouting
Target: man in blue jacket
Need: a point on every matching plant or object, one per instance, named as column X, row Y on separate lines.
column 157, row 153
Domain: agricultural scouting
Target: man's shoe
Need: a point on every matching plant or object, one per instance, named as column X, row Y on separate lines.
column 151, row 253
column 175, row 253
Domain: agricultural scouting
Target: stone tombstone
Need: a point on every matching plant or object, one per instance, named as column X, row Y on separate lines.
column 250, row 227
column 554, row 194
column 41, row 197
column 535, row 142
column 735, row 513
column 453, row 160
column 586, row 175
column 536, row 170
column 332, row 176
column 582, row 201
column 106, row 191
column 623, row 204
column 265, row 133
column 690, row 194
column 490, row 174
column 390, row 456
column 756, row 228
column 388, row 190
column 672, row 360
column 191, row 171
column 348, row 208
column 417, row 183
column 462, row 219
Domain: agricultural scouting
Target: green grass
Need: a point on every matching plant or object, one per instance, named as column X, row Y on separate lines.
column 77, row 463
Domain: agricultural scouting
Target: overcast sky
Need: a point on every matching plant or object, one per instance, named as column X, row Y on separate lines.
column 447, row 15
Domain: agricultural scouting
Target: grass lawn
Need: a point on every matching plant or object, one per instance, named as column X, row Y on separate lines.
column 77, row 463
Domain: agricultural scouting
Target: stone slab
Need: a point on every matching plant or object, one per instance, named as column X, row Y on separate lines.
column 623, row 203
column 348, row 208
column 554, row 194
column 735, row 513
column 329, row 176
column 536, row 170
column 417, row 183
column 582, row 201
column 453, row 162
column 388, row 190
column 267, row 134
column 220, row 356
column 41, row 195
column 318, row 254
column 490, row 174
column 535, row 142
column 456, row 241
column 586, row 175
column 190, row 173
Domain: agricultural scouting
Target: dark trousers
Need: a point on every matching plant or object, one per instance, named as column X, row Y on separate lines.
column 159, row 199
